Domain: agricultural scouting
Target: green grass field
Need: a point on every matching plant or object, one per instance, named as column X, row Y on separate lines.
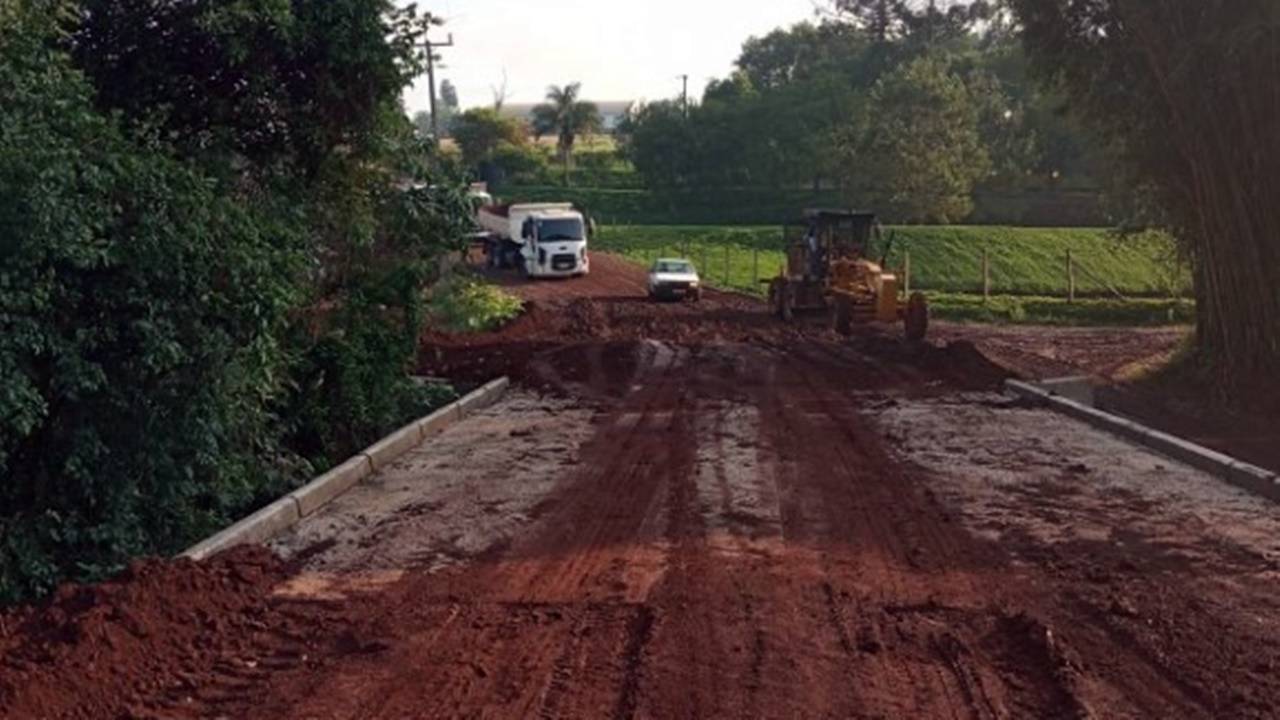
column 1024, row 261
column 1118, row 282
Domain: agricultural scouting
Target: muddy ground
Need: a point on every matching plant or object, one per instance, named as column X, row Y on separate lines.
column 690, row 511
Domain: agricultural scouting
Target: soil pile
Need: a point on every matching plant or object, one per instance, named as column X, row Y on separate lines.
column 97, row 651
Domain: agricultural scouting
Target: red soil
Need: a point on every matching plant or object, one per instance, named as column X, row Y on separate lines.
column 650, row 587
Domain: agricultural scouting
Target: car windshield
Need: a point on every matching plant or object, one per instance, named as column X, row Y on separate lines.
column 674, row 267
column 568, row 229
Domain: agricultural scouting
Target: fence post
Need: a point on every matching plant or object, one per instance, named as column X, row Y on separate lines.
column 986, row 275
column 1071, row 278
column 705, row 268
column 726, row 266
column 755, row 268
column 906, row 272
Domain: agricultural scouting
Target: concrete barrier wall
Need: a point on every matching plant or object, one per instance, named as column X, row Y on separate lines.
column 286, row 512
column 1251, row 478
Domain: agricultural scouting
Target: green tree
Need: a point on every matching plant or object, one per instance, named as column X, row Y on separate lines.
column 140, row 311
column 1185, row 92
column 483, row 133
column 209, row 275
column 920, row 153
column 566, row 116
column 881, row 18
column 659, row 142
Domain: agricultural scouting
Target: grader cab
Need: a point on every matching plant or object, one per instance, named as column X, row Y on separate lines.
column 829, row 270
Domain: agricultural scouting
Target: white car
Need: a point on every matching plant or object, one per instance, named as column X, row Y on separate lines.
column 674, row 278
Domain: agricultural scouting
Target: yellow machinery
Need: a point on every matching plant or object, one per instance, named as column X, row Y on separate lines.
column 828, row 269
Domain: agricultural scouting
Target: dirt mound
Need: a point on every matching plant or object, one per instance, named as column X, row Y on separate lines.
column 95, row 651
column 965, row 366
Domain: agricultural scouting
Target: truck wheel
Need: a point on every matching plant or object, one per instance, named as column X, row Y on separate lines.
column 917, row 317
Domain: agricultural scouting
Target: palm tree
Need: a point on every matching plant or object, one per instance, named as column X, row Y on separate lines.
column 566, row 116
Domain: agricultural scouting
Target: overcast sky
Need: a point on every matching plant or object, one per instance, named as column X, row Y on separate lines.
column 633, row 50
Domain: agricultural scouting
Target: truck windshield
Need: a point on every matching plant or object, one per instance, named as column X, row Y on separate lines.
column 569, row 229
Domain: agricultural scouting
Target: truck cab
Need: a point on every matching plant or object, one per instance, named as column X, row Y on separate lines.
column 541, row 239
column 555, row 244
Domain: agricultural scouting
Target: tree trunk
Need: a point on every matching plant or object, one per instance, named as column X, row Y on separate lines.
column 1229, row 153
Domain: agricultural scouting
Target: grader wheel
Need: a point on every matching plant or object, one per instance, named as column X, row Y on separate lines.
column 780, row 297
column 842, row 315
column 916, row 317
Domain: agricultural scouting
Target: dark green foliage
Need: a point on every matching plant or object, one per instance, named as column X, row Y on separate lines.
column 919, row 155
column 713, row 206
column 210, row 281
column 138, row 318
column 497, row 148
column 268, row 80
column 915, row 111
column 1185, row 92
column 355, row 386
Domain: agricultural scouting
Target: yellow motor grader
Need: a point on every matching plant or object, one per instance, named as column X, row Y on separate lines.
column 829, row 269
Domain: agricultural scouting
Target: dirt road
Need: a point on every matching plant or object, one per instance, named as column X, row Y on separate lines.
column 690, row 511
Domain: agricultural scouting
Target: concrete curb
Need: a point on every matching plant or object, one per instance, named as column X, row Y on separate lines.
column 1250, row 478
column 326, row 488
column 289, row 510
column 258, row 527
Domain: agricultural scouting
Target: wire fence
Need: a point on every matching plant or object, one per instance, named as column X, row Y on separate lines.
column 1061, row 264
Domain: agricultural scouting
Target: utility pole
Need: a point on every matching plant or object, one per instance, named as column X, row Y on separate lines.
column 431, row 81
column 684, row 95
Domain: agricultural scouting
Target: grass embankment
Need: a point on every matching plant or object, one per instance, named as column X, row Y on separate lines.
column 1118, row 282
column 465, row 304
column 1033, row 310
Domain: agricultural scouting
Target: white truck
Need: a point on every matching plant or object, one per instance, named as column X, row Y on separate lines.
column 540, row 239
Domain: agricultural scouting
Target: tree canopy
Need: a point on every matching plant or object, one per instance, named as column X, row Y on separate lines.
column 813, row 105
column 920, row 154
column 211, row 271
column 566, row 115
column 1185, row 93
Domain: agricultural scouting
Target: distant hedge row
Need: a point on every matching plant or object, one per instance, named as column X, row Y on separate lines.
column 770, row 206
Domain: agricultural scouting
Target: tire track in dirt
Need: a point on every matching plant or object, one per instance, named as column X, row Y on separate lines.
column 553, row 625
column 736, row 540
column 901, row 557
column 639, row 634
column 905, row 526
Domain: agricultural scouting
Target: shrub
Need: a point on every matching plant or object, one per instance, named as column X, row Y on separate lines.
column 194, row 315
column 139, row 312
column 465, row 304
